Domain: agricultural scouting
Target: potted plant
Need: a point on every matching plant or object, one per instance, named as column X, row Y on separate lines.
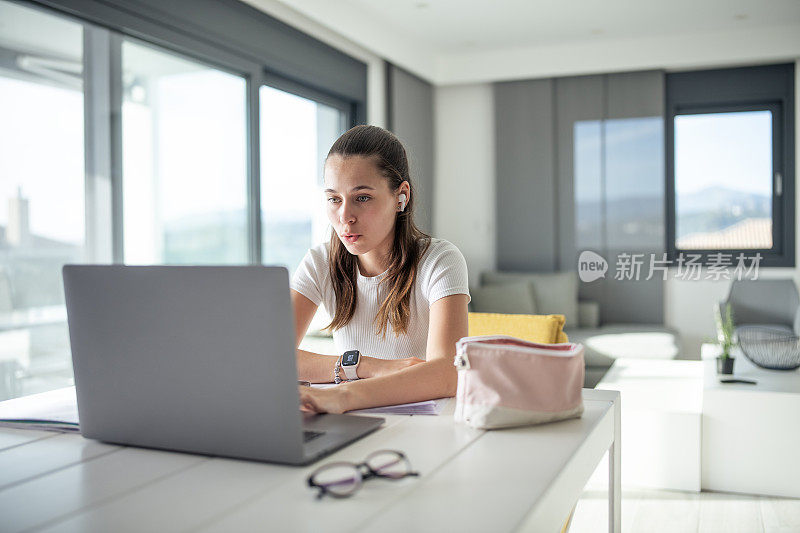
column 725, row 327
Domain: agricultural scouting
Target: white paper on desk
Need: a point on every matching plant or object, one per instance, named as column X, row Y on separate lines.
column 55, row 410
column 428, row 407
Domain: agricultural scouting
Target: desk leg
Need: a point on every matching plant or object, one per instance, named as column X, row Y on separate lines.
column 614, row 474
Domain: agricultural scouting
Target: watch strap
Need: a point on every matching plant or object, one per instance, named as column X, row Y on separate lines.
column 351, row 372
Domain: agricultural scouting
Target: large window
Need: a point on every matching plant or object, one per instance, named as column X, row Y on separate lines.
column 42, row 213
column 619, row 184
column 185, row 160
column 142, row 144
column 731, row 165
column 296, row 134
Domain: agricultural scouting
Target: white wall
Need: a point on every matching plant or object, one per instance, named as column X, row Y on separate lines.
column 464, row 189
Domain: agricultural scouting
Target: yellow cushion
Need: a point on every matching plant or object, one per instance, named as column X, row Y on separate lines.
column 546, row 329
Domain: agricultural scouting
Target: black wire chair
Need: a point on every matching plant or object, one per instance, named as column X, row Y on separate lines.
column 771, row 348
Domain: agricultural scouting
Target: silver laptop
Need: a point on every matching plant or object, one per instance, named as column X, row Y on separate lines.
column 196, row 359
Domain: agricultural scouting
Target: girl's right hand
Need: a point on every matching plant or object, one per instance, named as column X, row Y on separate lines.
column 372, row 367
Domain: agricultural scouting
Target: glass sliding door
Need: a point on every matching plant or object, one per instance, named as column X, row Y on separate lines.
column 296, row 134
column 184, row 160
column 42, row 207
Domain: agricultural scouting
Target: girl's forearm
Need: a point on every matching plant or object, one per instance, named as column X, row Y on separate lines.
column 314, row 367
column 424, row 381
column 318, row 368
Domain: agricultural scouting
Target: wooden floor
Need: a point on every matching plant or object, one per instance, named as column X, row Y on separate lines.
column 654, row 511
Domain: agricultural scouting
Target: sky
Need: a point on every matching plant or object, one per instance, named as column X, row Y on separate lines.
column 730, row 150
column 41, row 151
column 733, row 150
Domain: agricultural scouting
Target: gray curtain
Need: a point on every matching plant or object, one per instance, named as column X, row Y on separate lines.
column 580, row 166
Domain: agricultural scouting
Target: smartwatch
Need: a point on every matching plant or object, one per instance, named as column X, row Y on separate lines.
column 350, row 360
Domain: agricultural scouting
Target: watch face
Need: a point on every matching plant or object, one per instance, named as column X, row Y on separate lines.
column 350, row 358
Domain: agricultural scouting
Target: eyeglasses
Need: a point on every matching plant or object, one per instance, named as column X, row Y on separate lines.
column 342, row 479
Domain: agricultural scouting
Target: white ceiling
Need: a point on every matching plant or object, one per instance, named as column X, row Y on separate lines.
column 429, row 37
column 447, row 26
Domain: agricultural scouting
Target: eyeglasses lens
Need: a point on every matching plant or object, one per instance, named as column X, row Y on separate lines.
column 389, row 464
column 338, row 479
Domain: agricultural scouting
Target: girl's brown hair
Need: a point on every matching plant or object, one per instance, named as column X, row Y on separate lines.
column 410, row 243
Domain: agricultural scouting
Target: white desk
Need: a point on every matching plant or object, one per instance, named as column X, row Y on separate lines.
column 524, row 479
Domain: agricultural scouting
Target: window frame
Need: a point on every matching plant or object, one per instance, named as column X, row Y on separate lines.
column 769, row 88
column 242, row 44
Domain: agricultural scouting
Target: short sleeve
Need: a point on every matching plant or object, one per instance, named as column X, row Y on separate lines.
column 306, row 279
column 446, row 272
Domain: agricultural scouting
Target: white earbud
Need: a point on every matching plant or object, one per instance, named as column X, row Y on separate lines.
column 402, row 200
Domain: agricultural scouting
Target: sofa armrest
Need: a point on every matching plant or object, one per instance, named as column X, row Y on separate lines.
column 588, row 314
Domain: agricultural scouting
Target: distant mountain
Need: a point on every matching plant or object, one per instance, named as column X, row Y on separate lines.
column 715, row 197
column 641, row 208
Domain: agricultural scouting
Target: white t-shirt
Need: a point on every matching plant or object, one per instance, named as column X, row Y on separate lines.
column 442, row 272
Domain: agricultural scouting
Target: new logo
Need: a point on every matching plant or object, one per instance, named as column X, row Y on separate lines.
column 591, row 266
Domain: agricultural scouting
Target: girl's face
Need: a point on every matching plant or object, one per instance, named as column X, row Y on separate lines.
column 361, row 208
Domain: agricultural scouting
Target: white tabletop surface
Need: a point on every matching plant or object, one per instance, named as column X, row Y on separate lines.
column 471, row 480
column 769, row 381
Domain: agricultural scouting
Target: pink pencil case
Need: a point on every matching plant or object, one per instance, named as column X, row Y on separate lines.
column 506, row 382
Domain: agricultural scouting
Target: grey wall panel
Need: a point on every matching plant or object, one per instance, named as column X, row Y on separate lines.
column 610, row 184
column 578, row 100
column 634, row 182
column 633, row 301
column 527, row 230
column 410, row 113
column 635, row 94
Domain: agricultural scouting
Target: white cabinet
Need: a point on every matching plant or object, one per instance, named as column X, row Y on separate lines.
column 751, row 433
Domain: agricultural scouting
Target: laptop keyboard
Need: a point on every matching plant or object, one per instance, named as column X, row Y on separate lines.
column 311, row 435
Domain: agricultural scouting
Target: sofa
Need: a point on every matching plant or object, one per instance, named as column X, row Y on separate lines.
column 557, row 293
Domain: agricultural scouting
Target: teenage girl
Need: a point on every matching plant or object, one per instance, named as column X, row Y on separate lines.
column 398, row 297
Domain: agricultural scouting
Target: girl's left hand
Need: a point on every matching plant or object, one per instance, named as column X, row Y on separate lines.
column 331, row 400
